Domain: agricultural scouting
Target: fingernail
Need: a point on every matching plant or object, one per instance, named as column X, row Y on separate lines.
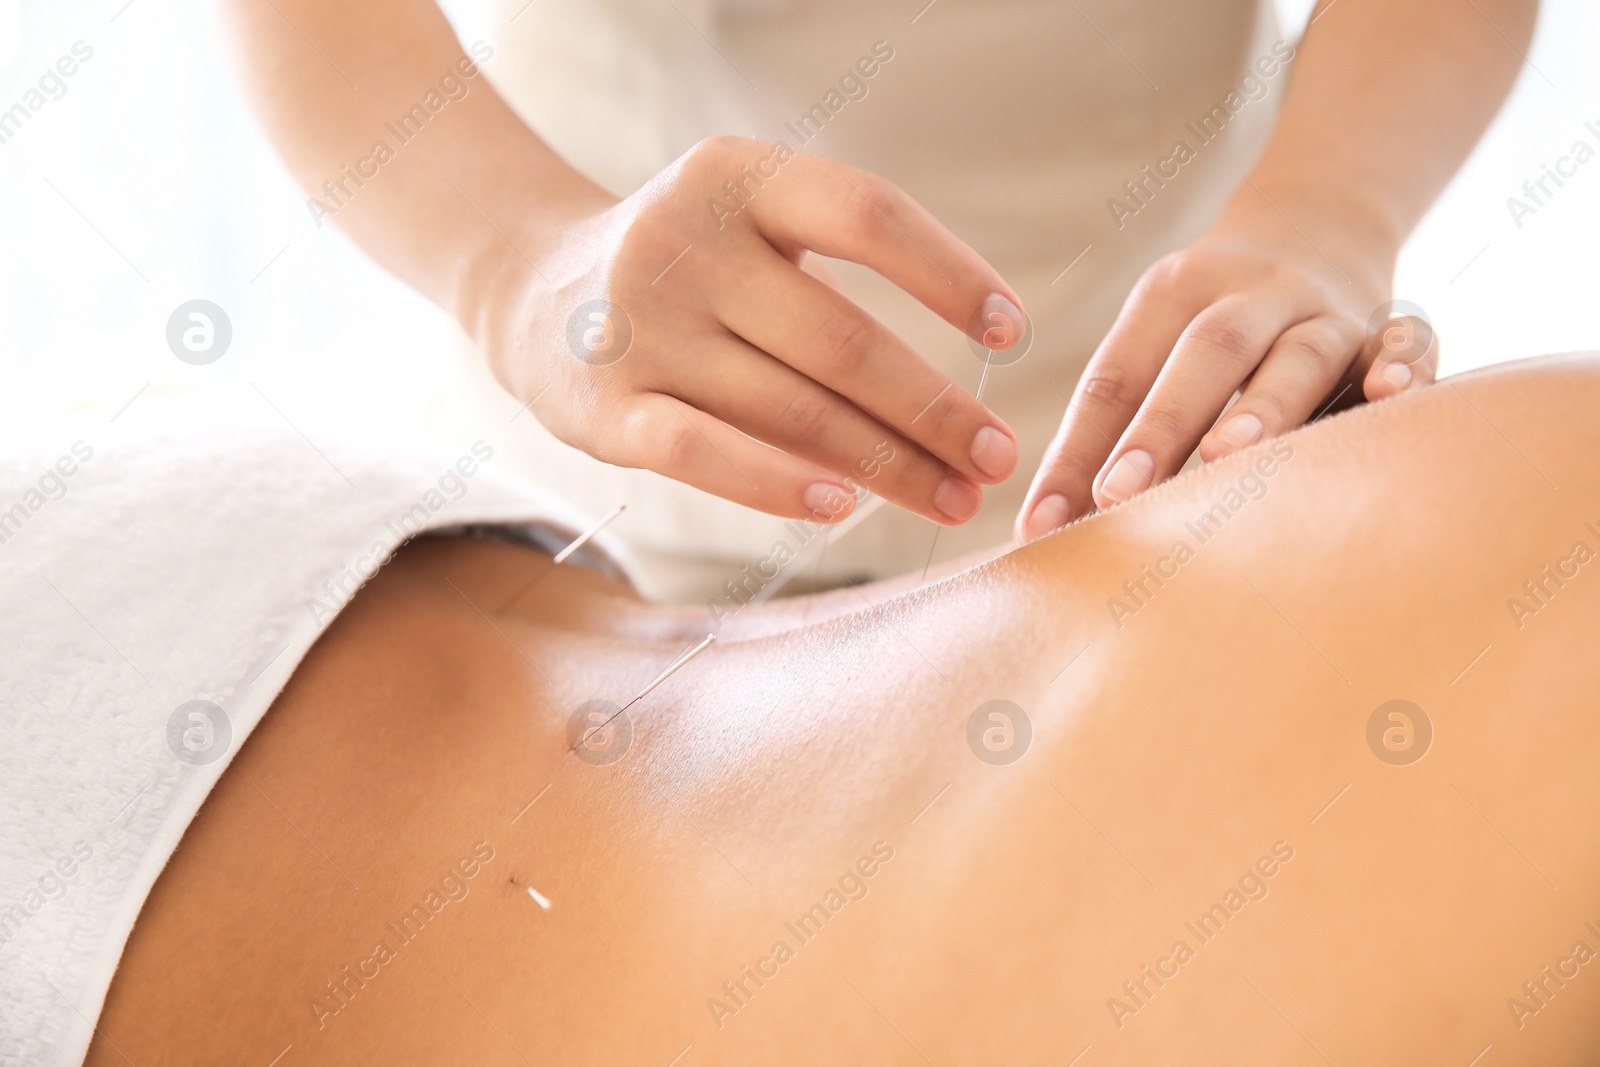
column 827, row 501
column 995, row 335
column 1129, row 475
column 1397, row 374
column 957, row 498
column 994, row 453
column 1240, row 430
column 1050, row 513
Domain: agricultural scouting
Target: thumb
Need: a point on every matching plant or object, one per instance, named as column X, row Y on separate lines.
column 1403, row 353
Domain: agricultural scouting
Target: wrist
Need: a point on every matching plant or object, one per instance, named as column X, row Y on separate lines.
column 526, row 245
column 1356, row 232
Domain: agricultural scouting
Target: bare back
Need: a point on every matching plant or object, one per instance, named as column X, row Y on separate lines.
column 1207, row 838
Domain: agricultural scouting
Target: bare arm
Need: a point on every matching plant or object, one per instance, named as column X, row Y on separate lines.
column 1387, row 100
column 744, row 375
column 325, row 79
column 1387, row 97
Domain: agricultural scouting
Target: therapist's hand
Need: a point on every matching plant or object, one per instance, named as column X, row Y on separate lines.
column 1250, row 307
column 1384, row 100
column 677, row 331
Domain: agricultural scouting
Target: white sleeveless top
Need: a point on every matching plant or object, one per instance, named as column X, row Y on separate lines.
column 1017, row 123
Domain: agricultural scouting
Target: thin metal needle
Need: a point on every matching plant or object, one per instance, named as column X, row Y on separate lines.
column 672, row 669
column 583, row 538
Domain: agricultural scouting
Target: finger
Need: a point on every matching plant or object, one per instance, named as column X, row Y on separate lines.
column 1217, row 351
column 665, row 435
column 826, row 338
column 1298, row 375
column 1113, row 384
column 837, row 210
column 770, row 401
column 1404, row 353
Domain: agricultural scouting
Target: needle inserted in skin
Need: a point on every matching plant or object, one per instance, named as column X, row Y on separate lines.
column 672, row 669
column 561, row 557
column 834, row 532
column 583, row 538
column 679, row 662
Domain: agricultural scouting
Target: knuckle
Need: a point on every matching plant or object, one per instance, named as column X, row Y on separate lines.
column 655, row 438
column 943, row 418
column 859, row 212
column 849, row 339
column 872, row 202
column 1323, row 346
column 676, row 445
column 1223, row 335
column 914, row 480
column 1104, row 391
column 1161, row 422
column 1172, row 271
column 716, row 149
column 887, row 197
column 1288, row 277
column 627, row 446
column 652, row 238
column 806, row 415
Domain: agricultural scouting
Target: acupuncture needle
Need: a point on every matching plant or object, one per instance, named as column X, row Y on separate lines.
column 583, row 538
column 983, row 380
column 562, row 556
column 672, row 668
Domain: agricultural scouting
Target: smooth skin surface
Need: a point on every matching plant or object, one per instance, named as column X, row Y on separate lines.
column 1214, row 738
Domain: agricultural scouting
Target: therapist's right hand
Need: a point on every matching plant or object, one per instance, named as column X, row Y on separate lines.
column 676, row 330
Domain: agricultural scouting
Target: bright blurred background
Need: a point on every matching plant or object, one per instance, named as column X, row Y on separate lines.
column 146, row 184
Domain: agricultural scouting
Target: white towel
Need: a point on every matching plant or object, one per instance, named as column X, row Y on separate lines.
column 141, row 573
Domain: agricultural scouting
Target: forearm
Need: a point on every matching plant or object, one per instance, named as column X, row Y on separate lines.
column 1387, row 99
column 444, row 200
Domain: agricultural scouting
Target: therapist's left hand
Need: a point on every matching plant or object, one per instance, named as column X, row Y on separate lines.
column 1253, row 307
